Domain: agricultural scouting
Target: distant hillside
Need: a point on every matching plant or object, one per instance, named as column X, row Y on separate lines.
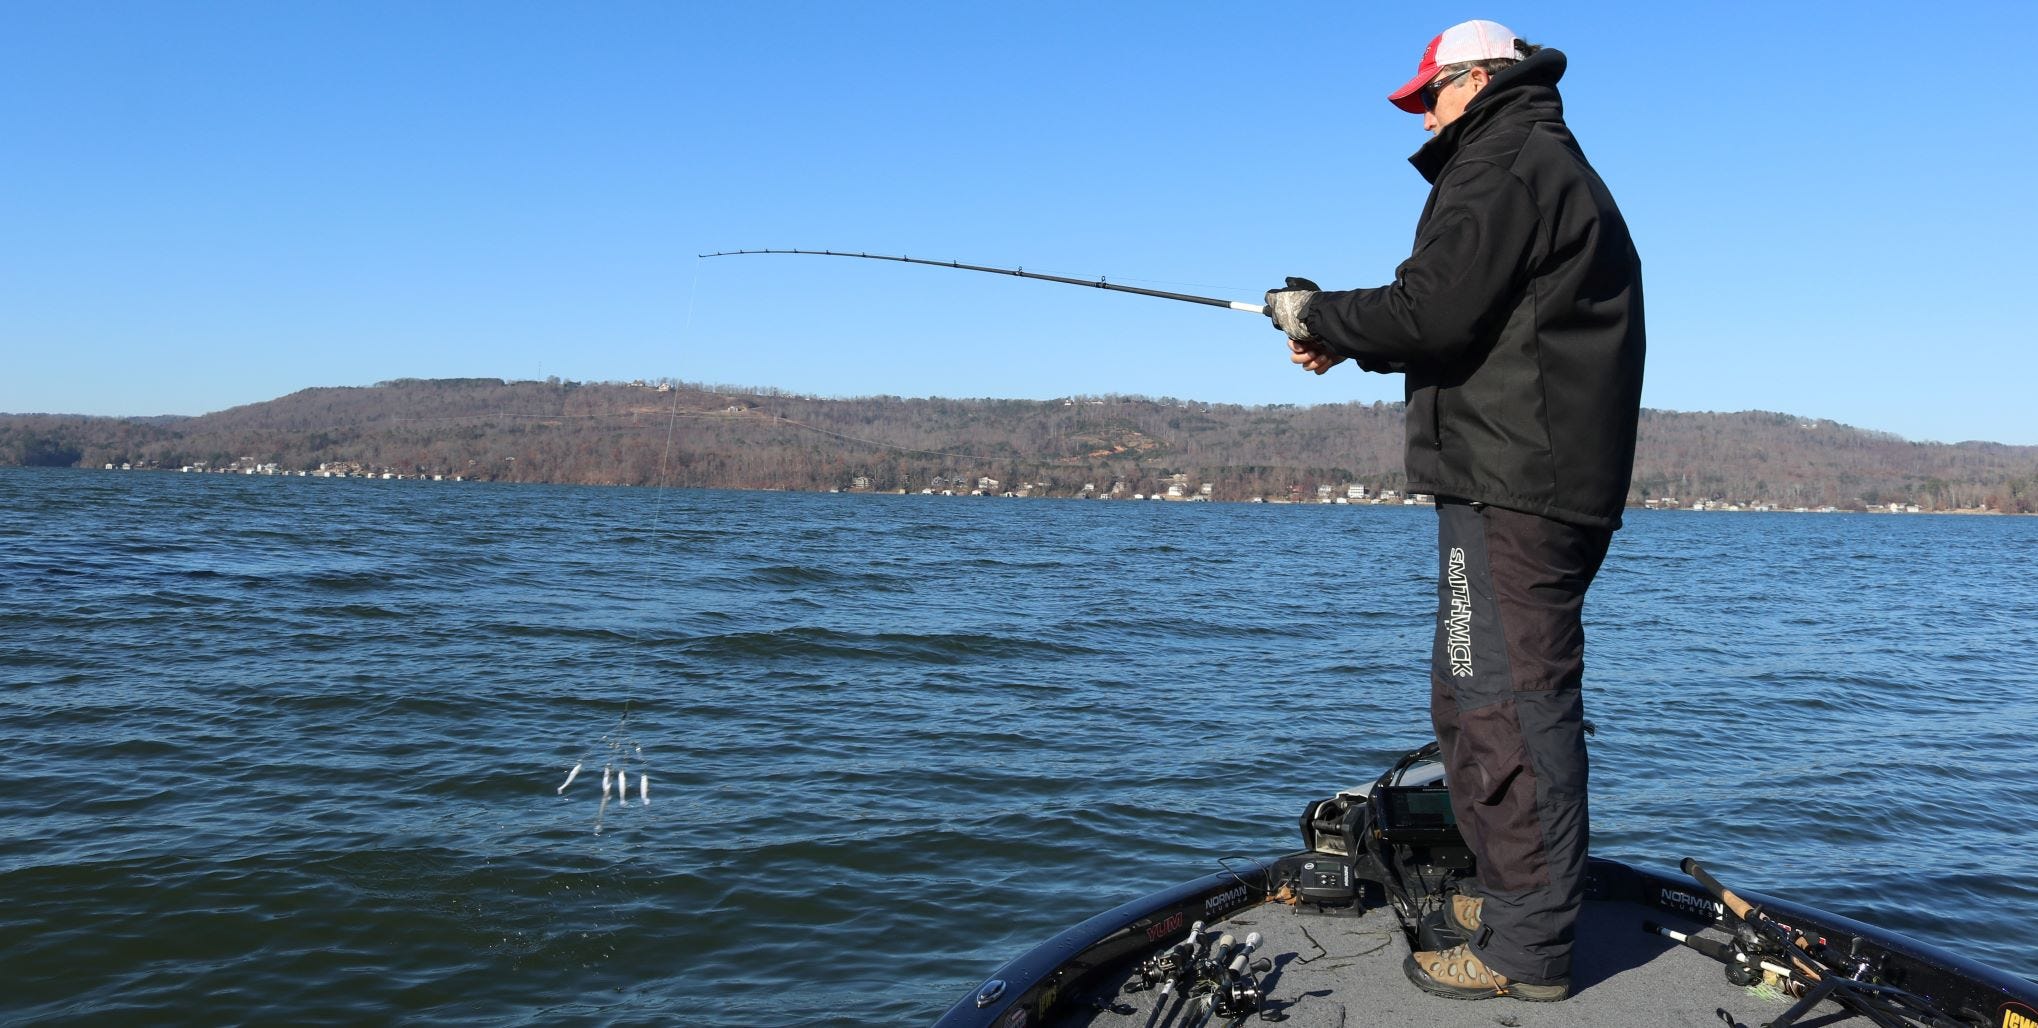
column 690, row 435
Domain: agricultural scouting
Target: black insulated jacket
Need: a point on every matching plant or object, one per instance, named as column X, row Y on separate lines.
column 1518, row 318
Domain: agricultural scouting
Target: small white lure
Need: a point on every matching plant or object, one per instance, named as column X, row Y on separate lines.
column 606, row 781
column 644, row 788
column 570, row 776
column 623, row 786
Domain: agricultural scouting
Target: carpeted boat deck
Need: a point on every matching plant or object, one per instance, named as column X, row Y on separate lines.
column 1338, row 971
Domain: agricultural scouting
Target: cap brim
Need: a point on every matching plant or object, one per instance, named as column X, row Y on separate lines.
column 1409, row 97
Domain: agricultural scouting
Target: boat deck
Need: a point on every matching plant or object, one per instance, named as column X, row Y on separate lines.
column 1332, row 971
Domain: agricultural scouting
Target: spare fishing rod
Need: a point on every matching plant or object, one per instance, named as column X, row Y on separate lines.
column 1814, row 966
column 1172, row 968
column 1238, row 991
column 1743, row 967
column 1096, row 283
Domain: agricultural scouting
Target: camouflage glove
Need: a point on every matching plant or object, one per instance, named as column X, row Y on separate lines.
column 1286, row 304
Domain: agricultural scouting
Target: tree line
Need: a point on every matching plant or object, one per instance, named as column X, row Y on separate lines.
column 694, row 435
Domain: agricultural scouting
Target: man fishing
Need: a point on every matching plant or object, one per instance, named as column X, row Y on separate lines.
column 1518, row 323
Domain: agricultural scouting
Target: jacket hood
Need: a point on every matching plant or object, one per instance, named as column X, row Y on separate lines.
column 1526, row 90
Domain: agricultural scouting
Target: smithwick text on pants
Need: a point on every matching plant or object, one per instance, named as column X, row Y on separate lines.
column 1458, row 641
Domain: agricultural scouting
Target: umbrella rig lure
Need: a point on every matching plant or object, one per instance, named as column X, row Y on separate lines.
column 620, row 754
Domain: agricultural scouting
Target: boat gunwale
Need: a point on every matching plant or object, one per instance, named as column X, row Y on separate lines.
column 1036, row 980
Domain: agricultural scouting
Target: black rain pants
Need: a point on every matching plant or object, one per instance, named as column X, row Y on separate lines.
column 1505, row 700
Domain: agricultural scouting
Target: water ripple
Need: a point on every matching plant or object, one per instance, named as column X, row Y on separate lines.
column 295, row 747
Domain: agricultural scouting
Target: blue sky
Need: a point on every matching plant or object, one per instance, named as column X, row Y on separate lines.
column 204, row 205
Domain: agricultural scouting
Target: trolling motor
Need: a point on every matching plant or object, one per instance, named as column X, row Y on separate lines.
column 1394, row 839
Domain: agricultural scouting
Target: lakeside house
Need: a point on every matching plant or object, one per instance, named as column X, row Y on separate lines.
column 1178, row 488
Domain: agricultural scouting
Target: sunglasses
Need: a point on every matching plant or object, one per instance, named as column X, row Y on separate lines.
column 1434, row 89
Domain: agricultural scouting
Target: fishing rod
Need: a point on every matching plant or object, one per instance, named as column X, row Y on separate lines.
column 1238, row 991
column 1172, row 968
column 1743, row 968
column 1854, row 984
column 1097, row 283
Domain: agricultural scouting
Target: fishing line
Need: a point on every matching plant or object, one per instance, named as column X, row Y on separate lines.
column 671, row 427
column 693, row 294
column 1089, row 461
column 1099, row 282
column 780, row 419
column 624, row 751
column 622, row 748
column 676, row 415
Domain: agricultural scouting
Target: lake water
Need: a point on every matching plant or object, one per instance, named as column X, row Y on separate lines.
column 290, row 749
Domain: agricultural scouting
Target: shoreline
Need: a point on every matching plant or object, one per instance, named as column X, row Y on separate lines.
column 1711, row 507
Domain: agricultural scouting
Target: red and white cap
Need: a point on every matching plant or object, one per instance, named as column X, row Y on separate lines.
column 1465, row 41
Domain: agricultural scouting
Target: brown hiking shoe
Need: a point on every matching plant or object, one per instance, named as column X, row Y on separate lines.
column 1464, row 913
column 1458, row 974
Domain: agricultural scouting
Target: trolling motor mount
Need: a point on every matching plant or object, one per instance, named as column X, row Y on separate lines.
column 1397, row 835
